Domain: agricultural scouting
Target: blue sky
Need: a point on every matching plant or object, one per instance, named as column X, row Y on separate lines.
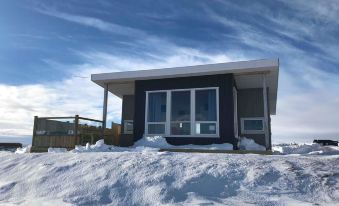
column 48, row 49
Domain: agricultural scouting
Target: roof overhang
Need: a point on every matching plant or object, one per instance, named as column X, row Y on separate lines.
column 247, row 74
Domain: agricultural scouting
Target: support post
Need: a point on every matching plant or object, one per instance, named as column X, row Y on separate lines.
column 235, row 114
column 265, row 112
column 76, row 127
column 104, row 110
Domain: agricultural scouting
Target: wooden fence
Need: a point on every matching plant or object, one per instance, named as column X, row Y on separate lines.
column 66, row 132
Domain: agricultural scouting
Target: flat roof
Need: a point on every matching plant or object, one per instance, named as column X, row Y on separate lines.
column 247, row 74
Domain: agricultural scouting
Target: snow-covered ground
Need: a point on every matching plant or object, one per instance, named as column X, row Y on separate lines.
column 144, row 176
column 305, row 149
column 148, row 177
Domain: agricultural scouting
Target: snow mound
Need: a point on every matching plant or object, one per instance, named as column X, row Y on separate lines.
column 152, row 142
column 146, row 144
column 308, row 149
column 153, row 178
column 56, row 150
column 161, row 143
column 99, row 146
column 23, row 150
column 249, row 144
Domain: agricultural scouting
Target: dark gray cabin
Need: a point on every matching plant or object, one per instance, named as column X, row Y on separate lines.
column 204, row 104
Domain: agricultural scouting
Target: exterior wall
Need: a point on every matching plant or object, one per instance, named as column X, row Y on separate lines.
column 251, row 104
column 127, row 109
column 223, row 81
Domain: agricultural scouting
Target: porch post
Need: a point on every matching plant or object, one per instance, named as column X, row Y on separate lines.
column 235, row 114
column 104, row 109
column 265, row 112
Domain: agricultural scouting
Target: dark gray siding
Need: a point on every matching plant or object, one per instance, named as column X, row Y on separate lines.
column 223, row 81
column 127, row 109
column 251, row 104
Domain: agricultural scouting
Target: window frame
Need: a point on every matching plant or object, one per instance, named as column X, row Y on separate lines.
column 192, row 121
column 146, row 113
column 125, row 126
column 244, row 131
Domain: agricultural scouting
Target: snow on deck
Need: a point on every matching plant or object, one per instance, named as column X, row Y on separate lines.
column 149, row 177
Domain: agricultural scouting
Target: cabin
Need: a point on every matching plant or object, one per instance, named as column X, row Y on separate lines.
column 203, row 104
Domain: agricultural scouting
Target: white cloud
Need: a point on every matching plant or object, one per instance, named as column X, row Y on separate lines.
column 93, row 22
column 305, row 22
column 307, row 98
column 307, row 105
column 18, row 104
column 318, row 10
column 74, row 95
column 301, row 111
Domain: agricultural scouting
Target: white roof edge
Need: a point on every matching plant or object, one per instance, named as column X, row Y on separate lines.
column 229, row 67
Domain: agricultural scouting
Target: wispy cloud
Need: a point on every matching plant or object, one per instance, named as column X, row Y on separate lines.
column 301, row 27
column 74, row 95
column 296, row 112
column 327, row 12
column 301, row 33
column 93, row 22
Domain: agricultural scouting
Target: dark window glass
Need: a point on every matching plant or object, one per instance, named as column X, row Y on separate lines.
column 206, row 128
column 157, row 107
column 253, row 125
column 156, row 129
column 205, row 105
column 180, row 128
column 181, row 106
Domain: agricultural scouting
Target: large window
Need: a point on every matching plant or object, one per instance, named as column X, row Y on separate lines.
column 205, row 111
column 156, row 113
column 184, row 112
column 180, row 113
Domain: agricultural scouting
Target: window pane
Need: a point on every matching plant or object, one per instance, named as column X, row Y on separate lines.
column 206, row 128
column 253, row 125
column 205, row 105
column 181, row 106
column 180, row 128
column 156, row 129
column 128, row 126
column 157, row 107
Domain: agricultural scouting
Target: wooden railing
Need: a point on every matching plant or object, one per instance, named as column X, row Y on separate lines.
column 66, row 132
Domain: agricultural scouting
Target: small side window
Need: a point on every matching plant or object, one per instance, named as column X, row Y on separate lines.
column 253, row 125
column 128, row 126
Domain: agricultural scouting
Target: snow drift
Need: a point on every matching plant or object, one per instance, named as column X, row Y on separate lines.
column 157, row 142
column 160, row 142
column 23, row 150
column 140, row 175
column 305, row 149
column 146, row 144
column 249, row 144
column 153, row 178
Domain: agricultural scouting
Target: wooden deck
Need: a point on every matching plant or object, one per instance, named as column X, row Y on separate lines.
column 66, row 132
